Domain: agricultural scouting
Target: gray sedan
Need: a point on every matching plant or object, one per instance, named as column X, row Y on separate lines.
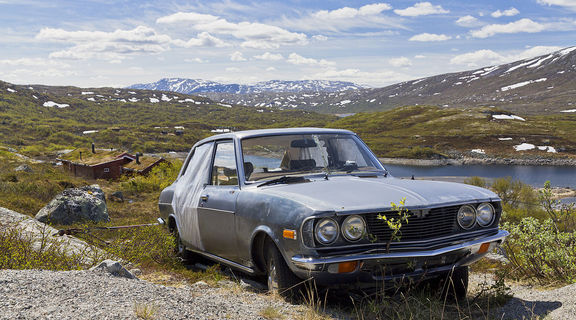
column 311, row 204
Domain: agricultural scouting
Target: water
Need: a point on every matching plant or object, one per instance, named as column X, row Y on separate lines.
column 559, row 176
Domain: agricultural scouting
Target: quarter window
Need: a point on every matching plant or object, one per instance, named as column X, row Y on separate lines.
column 224, row 171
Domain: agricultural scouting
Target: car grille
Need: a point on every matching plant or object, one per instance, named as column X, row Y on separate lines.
column 438, row 222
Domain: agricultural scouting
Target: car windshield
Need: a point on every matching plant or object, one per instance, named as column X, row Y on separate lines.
column 283, row 155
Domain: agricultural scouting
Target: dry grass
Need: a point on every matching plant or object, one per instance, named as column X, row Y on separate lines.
column 145, row 311
column 271, row 313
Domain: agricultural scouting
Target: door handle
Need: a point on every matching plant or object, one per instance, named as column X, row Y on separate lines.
column 204, row 197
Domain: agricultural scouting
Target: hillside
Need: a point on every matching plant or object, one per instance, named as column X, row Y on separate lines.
column 435, row 132
column 189, row 86
column 540, row 85
column 35, row 117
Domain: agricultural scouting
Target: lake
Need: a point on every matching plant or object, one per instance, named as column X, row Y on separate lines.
column 559, row 176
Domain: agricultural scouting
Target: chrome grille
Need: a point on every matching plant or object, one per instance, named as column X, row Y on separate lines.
column 437, row 222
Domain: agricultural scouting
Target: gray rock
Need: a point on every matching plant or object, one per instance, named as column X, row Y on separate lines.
column 76, row 205
column 23, row 167
column 117, row 196
column 95, row 190
column 136, row 272
column 115, row 268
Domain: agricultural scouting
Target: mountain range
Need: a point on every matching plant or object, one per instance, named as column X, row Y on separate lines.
column 194, row 86
column 538, row 85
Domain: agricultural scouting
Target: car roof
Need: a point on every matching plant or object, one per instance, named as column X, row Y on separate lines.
column 271, row 132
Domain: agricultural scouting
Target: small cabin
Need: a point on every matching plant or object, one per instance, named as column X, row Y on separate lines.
column 106, row 164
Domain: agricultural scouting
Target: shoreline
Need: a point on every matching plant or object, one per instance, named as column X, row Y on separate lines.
column 479, row 161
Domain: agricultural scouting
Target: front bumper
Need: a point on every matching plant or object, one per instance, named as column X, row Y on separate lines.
column 388, row 266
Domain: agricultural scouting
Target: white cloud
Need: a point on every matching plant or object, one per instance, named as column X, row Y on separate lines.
column 269, row 56
column 421, row 9
column 522, row 25
column 197, row 60
column 254, row 35
column 351, row 13
column 270, row 69
column 320, row 37
column 400, row 62
column 297, row 59
column 419, row 56
column 193, row 17
column 377, row 78
column 34, row 62
column 112, row 46
column 477, row 58
column 570, row 4
column 468, row 21
column 506, row 13
column 346, row 18
column 488, row 57
column 425, row 37
column 232, row 69
column 237, row 56
column 204, row 39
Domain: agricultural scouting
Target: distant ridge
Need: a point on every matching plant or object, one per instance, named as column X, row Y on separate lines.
column 539, row 85
column 189, row 86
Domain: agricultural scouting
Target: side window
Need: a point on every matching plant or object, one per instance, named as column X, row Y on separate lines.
column 224, row 168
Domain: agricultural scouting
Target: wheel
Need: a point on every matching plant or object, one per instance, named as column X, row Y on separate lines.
column 179, row 247
column 456, row 284
column 281, row 280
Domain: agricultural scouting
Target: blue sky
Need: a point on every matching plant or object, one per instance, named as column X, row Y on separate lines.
column 118, row 43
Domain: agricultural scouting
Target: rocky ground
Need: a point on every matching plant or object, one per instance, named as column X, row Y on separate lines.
column 41, row 294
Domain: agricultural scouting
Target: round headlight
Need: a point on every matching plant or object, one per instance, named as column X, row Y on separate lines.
column 485, row 214
column 466, row 216
column 326, row 231
column 353, row 228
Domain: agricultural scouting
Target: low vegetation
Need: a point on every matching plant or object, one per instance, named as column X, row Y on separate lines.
column 426, row 132
column 18, row 252
column 541, row 245
column 542, row 241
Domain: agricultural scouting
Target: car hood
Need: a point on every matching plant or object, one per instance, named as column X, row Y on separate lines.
column 352, row 193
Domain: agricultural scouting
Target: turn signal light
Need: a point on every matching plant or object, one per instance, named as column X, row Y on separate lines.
column 289, row 234
column 484, row 247
column 345, row 267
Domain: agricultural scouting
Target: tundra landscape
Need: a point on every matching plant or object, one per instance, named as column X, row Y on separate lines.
column 98, row 119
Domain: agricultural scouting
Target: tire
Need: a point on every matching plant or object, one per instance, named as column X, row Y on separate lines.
column 180, row 249
column 280, row 279
column 456, row 284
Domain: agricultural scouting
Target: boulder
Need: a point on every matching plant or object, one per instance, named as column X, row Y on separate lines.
column 115, row 268
column 117, row 196
column 23, row 167
column 76, row 205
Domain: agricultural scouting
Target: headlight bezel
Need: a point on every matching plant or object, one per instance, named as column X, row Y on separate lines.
column 473, row 220
column 318, row 226
column 344, row 229
column 493, row 212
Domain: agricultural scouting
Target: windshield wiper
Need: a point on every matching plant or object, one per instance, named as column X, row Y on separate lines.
column 283, row 180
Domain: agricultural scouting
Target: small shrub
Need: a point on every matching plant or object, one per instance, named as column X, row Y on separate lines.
column 476, row 181
column 146, row 246
column 537, row 250
column 17, row 251
column 159, row 178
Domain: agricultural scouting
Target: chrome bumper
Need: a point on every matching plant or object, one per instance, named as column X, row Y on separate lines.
column 471, row 247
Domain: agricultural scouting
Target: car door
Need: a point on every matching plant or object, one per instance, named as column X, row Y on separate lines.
column 217, row 206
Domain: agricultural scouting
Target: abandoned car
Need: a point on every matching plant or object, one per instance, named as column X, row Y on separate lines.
column 310, row 203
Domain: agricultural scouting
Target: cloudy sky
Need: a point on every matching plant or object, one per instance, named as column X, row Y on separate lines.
column 92, row 43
